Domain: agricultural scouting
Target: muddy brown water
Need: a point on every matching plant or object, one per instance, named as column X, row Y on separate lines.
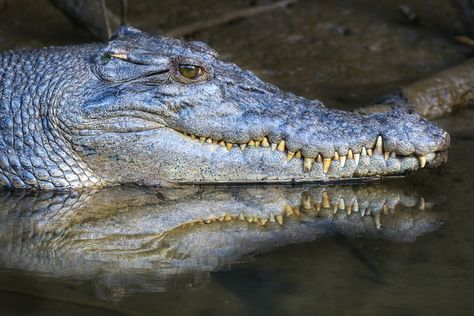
column 345, row 53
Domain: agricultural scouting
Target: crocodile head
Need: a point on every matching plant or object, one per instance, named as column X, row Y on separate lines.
column 148, row 109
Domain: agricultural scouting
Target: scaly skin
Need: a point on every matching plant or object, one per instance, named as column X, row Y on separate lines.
column 112, row 233
column 127, row 112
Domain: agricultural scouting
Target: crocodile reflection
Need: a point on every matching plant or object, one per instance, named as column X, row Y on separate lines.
column 167, row 231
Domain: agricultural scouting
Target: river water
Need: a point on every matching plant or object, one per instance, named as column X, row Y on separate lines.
column 406, row 249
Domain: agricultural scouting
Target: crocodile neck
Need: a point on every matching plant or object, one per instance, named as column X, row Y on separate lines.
column 34, row 154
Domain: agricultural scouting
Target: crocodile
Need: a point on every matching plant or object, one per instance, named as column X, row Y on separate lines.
column 154, row 110
column 118, row 235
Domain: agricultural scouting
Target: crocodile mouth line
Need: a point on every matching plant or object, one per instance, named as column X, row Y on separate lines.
column 308, row 162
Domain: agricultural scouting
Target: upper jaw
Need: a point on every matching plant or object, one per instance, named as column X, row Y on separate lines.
column 330, row 144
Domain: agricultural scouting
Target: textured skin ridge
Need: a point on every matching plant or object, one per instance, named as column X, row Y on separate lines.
column 33, row 153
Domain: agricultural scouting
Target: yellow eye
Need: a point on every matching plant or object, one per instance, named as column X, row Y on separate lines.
column 191, row 72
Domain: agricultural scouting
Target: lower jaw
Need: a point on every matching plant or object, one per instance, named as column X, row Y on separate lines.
column 273, row 167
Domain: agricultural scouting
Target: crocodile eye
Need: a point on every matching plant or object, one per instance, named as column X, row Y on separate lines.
column 191, row 72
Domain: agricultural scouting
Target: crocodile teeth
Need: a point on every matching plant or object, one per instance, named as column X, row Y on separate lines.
column 342, row 204
column 386, row 155
column 228, row 217
column 229, row 146
column 290, row 155
column 274, row 146
column 342, row 159
column 281, row 145
column 272, row 218
column 257, row 143
column 364, row 152
column 265, row 142
column 356, row 159
column 242, row 146
column 325, row 200
column 215, row 142
column 222, row 143
column 422, row 160
column 326, row 164
column 355, row 205
column 307, row 164
column 379, row 145
column 209, row 140
column 288, row 210
column 241, row 217
column 369, row 152
column 319, row 159
column 263, row 221
column 202, row 140
column 336, row 156
column 279, row 219
column 350, row 155
column 298, row 154
column 193, row 137
column 251, row 143
column 307, row 203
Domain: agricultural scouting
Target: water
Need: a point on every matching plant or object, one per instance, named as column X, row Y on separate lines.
column 134, row 251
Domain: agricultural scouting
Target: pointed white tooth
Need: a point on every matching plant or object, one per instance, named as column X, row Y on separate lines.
column 350, row 155
column 369, row 152
column 265, row 142
column 356, row 159
column 272, row 218
column 242, row 146
column 386, row 155
column 257, row 143
column 336, row 155
column 326, row 203
column 364, row 152
column 355, row 205
column 229, row 146
column 241, row 217
column 422, row 160
column 319, row 159
column 307, row 164
column 228, row 217
column 342, row 159
column 288, row 210
column 215, row 142
column 202, row 140
column 326, row 164
column 279, row 219
column 379, row 145
column 298, row 154
column 209, row 140
column 290, row 155
column 193, row 137
column 222, row 143
column 251, row 142
column 274, row 146
column 306, row 203
column 281, row 145
column 342, row 204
